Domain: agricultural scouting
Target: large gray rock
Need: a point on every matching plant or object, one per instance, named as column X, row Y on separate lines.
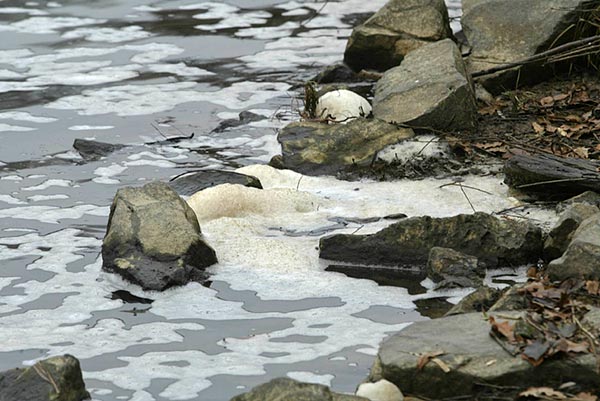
column 284, row 389
column 53, row 379
column 408, row 242
column 153, row 238
column 505, row 31
column 315, row 148
column 582, row 257
column 430, row 89
column 473, row 358
column 192, row 182
column 478, row 301
column 449, row 268
column 560, row 236
column 396, row 29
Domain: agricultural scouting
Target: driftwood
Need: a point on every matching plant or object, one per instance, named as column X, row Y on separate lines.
column 552, row 177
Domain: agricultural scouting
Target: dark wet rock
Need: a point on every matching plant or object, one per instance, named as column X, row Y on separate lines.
column 53, row 379
column 582, row 257
column 429, row 89
column 560, row 236
column 505, row 31
column 129, row 298
column 153, row 238
column 277, row 162
column 512, row 299
column 468, row 350
column 494, row 241
column 94, row 150
column 449, row 268
column 245, row 117
column 384, row 275
column 314, row 148
column 336, row 73
column 480, row 300
column 396, row 29
column 195, row 181
column 284, row 389
column 586, row 198
column 552, row 177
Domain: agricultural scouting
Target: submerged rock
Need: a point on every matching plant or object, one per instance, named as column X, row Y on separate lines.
column 472, row 357
column 314, row 148
column 284, row 389
column 94, row 150
column 430, row 89
column 481, row 300
column 342, row 106
column 560, row 236
column 494, row 241
column 449, row 268
column 396, row 29
column 506, row 31
column 582, row 257
column 53, row 379
column 153, row 238
column 193, row 182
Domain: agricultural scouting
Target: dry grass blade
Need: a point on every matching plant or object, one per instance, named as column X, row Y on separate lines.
column 47, row 376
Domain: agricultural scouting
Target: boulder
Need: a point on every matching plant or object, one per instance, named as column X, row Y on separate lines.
column 560, row 236
column 494, row 241
column 192, row 182
column 473, row 357
column 336, row 73
column 381, row 390
column 449, row 268
column 481, row 300
column 506, row 31
column 585, row 198
column 513, row 299
column 284, row 389
column 430, row 89
column 93, row 150
column 400, row 26
column 342, row 106
column 153, row 238
column 314, row 148
column 53, row 379
column 582, row 257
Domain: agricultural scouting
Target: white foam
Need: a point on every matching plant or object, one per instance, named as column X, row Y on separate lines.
column 108, row 35
column 310, row 377
column 47, row 25
column 422, row 146
column 38, row 198
column 20, row 10
column 179, row 69
column 106, row 173
column 49, row 183
column 11, row 200
column 90, row 127
column 53, row 214
column 15, row 128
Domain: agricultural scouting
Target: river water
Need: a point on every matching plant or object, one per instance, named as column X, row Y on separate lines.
column 136, row 72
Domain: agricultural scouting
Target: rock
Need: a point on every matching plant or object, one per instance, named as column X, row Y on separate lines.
column 480, row 300
column 193, row 182
column 468, row 351
column 408, row 242
column 342, row 106
column 512, row 299
column 552, row 177
column 245, row 117
column 560, row 236
column 94, row 150
column 336, row 73
column 586, row 198
column 53, row 379
column 313, row 148
column 396, row 29
column 582, row 257
column 153, row 238
column 505, row 31
column 449, row 268
column 430, row 89
column 284, row 389
column 381, row 390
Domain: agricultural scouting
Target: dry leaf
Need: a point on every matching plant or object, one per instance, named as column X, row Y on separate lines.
column 537, row 128
column 426, row 357
column 504, row 328
column 572, row 118
column 547, row 101
column 560, row 97
column 585, row 397
column 441, row 364
column 582, row 152
column 543, row 393
column 593, row 287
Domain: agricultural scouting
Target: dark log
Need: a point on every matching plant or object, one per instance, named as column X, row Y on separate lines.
column 552, row 177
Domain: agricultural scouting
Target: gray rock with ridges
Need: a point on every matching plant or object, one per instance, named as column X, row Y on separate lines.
column 468, row 350
column 582, row 257
column 480, row 300
column 284, row 389
column 561, row 234
column 505, row 31
column 396, row 29
column 53, row 379
column 153, row 238
column 407, row 243
column 315, row 148
column 449, row 268
column 430, row 89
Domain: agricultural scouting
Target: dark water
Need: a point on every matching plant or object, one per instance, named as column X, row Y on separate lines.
column 137, row 73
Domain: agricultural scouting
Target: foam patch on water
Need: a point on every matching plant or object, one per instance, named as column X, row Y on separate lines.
column 108, row 35
column 422, row 146
column 15, row 128
column 90, row 127
column 48, row 25
column 53, row 214
column 24, row 116
column 310, row 377
column 49, row 183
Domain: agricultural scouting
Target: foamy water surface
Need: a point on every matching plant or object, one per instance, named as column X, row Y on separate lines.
column 138, row 72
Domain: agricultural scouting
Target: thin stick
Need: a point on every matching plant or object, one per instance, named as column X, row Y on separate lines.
column 533, row 184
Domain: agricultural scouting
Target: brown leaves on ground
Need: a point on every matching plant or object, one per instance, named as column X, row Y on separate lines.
column 548, row 393
column 551, row 325
column 432, row 356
